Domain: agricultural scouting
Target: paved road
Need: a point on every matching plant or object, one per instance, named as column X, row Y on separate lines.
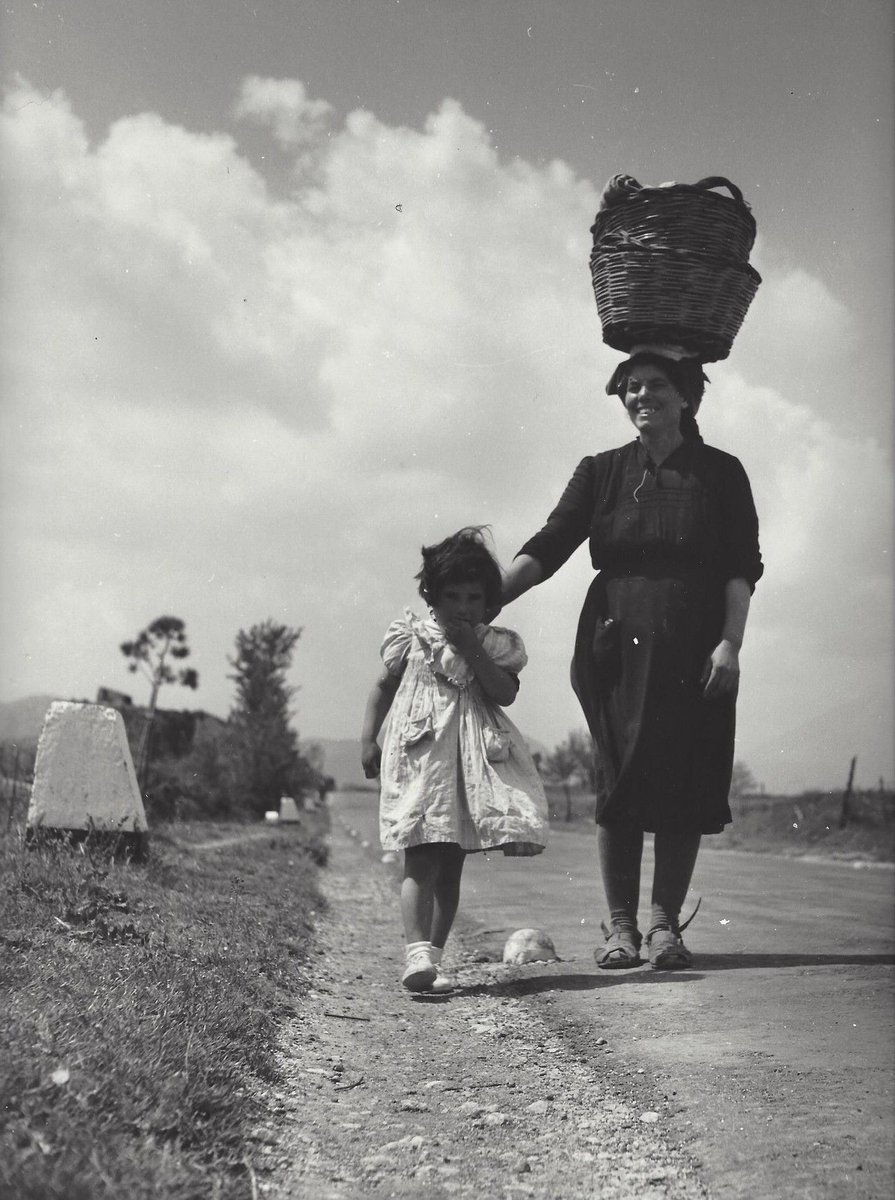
column 777, row 1050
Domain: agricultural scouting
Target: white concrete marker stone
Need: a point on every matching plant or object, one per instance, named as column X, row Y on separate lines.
column 84, row 775
column 288, row 809
column 529, row 945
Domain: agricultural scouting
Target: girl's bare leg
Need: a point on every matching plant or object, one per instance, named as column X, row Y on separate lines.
column 446, row 895
column 418, row 891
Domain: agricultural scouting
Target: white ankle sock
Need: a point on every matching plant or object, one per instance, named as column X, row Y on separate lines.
column 415, row 947
column 435, row 953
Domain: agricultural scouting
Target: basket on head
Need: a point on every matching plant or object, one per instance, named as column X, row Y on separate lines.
column 671, row 264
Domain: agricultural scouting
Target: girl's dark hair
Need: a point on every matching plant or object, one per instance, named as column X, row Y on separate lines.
column 686, row 375
column 461, row 558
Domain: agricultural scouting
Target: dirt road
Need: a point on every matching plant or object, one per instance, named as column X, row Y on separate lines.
column 779, row 1046
column 766, row 1071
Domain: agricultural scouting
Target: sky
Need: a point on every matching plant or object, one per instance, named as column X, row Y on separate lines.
column 291, row 289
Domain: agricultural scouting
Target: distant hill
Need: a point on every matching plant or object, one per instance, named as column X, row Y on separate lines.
column 341, row 759
column 22, row 720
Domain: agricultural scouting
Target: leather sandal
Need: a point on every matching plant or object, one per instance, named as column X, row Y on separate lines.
column 666, row 948
column 621, row 950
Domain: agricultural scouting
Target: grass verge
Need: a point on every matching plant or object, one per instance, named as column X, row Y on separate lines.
column 141, row 1005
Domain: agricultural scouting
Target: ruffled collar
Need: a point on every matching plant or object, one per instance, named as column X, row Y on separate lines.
column 440, row 655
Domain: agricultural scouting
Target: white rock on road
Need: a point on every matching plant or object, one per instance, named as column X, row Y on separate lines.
column 529, row 945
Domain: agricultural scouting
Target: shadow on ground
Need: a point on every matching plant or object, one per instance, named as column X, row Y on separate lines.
column 643, row 976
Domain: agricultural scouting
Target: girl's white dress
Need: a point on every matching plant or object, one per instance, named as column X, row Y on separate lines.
column 454, row 767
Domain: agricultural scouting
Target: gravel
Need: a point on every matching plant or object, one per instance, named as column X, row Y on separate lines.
column 475, row 1094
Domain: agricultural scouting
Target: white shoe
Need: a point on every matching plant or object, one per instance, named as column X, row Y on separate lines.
column 420, row 973
column 443, row 983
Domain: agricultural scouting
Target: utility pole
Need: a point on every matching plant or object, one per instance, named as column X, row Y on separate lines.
column 846, row 795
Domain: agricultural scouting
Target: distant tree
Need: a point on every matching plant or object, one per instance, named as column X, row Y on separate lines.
column 204, row 781
column 563, row 767
column 314, row 754
column 742, row 781
column 150, row 654
column 271, row 764
column 581, row 745
column 315, row 763
column 324, row 785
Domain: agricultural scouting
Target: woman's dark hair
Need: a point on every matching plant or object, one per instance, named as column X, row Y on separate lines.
column 685, row 374
column 461, row 558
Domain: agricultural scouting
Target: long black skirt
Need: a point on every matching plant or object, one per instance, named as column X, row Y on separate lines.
column 664, row 753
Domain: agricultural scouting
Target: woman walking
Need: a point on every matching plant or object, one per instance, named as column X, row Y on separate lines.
column 673, row 534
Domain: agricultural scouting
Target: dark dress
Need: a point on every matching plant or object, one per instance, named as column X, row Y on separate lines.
column 665, row 541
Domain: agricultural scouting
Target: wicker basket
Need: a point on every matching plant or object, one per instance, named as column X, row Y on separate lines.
column 670, row 265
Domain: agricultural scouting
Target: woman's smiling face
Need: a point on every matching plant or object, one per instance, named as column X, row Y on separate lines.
column 653, row 403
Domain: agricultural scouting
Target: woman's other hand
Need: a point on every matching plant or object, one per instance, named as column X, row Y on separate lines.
column 371, row 758
column 721, row 676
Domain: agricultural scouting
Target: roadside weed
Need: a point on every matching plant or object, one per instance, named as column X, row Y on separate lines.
column 139, row 1002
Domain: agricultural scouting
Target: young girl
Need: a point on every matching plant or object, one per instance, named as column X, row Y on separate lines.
column 456, row 773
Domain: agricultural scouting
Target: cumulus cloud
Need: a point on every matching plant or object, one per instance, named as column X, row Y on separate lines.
column 231, row 404
column 818, row 657
column 283, row 105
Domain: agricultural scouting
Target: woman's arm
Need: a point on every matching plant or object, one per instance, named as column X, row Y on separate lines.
column 722, row 670
column 379, row 701
column 524, row 572
column 566, row 528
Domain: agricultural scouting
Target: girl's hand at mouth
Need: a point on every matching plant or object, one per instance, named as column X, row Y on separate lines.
column 461, row 634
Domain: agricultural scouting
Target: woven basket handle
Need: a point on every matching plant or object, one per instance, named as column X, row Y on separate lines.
column 717, row 181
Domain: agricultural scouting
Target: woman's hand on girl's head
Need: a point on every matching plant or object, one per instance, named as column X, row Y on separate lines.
column 721, row 675
column 371, row 758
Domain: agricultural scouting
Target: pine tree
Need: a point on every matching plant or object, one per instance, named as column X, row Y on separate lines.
column 270, row 765
column 149, row 653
